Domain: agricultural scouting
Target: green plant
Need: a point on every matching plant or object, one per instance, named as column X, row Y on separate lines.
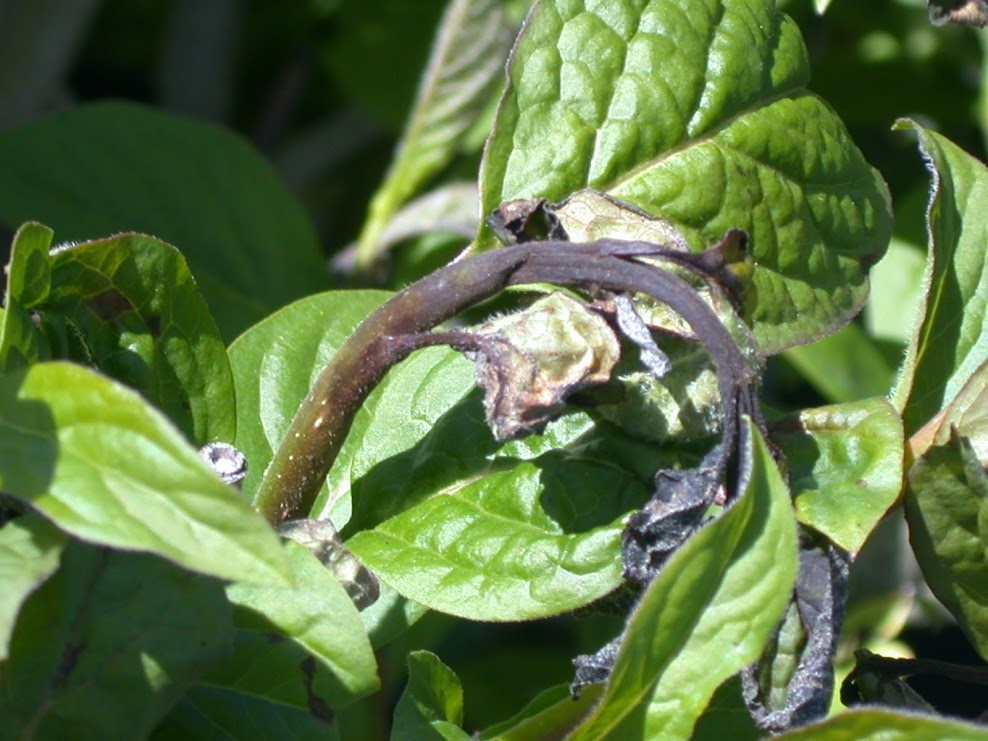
column 481, row 446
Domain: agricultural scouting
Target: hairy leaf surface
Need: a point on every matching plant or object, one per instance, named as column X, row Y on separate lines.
column 950, row 338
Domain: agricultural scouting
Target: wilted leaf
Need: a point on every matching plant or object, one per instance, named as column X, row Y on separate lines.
column 969, row 12
column 468, row 53
column 100, row 463
column 701, row 118
column 249, row 244
column 706, row 615
column 845, row 467
column 950, row 338
column 30, row 549
column 109, row 630
column 431, row 707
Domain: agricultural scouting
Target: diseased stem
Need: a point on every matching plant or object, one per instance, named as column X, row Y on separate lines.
column 300, row 465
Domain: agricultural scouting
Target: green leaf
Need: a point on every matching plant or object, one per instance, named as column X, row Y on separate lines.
column 99, row 462
column 303, row 645
column 844, row 366
column 107, row 645
column 706, row 615
column 946, row 506
column 28, row 281
column 551, row 714
column 420, row 449
column 128, row 306
column 845, row 467
column 468, row 54
column 431, row 707
column 112, row 167
column 703, row 119
column 226, row 715
column 537, row 539
column 885, row 725
column 420, row 432
column 30, row 549
column 896, row 290
column 726, row 717
column 950, row 338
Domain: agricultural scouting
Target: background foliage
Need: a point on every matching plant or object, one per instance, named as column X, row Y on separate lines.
column 108, row 114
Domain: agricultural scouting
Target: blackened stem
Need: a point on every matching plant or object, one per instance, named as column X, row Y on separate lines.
column 300, row 465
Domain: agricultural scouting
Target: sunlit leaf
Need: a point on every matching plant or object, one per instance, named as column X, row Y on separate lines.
column 950, row 338
column 99, row 462
column 702, row 117
column 845, row 467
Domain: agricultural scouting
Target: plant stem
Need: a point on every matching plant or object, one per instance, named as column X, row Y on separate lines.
column 300, row 465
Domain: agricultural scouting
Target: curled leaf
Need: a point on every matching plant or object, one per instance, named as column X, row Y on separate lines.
column 529, row 362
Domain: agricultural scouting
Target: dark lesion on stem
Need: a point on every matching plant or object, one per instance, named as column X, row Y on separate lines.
column 406, row 322
column 300, row 465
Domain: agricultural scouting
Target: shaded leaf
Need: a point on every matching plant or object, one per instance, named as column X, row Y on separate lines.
column 303, row 645
column 726, row 716
column 946, row 509
column 468, row 53
column 896, row 290
column 551, row 714
column 100, row 463
column 109, row 630
column 845, row 467
column 702, row 119
column 30, row 549
column 226, row 715
column 844, row 366
column 203, row 189
column 950, row 338
column 706, row 615
column 886, row 725
column 431, row 707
